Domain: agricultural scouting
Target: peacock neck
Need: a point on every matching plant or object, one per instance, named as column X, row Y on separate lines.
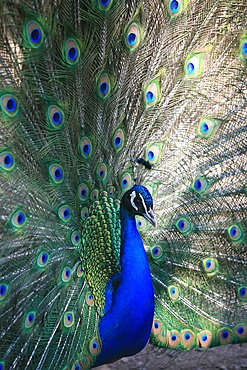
column 134, row 264
column 125, row 328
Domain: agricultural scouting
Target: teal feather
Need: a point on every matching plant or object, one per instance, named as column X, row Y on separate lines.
column 97, row 97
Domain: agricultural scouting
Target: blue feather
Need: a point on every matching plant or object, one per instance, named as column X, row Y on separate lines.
column 125, row 328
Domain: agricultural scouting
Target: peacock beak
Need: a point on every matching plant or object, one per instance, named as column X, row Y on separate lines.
column 149, row 215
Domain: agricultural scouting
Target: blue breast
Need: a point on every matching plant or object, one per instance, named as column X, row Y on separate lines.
column 126, row 327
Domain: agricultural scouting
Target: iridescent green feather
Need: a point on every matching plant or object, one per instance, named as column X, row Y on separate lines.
column 100, row 250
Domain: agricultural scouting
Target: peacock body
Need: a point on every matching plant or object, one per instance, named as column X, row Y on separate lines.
column 113, row 111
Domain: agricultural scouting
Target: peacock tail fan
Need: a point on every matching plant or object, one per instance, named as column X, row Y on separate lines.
column 86, row 87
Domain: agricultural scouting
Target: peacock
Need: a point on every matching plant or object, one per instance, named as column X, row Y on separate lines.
column 123, row 209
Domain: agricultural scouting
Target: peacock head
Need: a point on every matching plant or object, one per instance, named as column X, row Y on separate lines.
column 139, row 201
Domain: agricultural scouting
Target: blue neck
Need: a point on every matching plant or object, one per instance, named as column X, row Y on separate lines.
column 126, row 327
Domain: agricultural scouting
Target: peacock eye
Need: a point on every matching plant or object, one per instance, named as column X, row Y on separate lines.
column 34, row 34
column 105, row 4
column 72, row 52
column 138, row 202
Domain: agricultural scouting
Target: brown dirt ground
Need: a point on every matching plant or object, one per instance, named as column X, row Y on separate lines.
column 230, row 357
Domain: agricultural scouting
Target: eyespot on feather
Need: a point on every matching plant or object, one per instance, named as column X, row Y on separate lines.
column 83, row 191
column 9, row 105
column 18, row 219
column 34, row 34
column 101, row 171
column 153, row 153
column 243, row 47
column 105, row 4
column 133, row 36
column 183, row 225
column 95, row 346
column 156, row 252
column 204, row 339
column 104, row 85
column 141, row 223
column 55, row 117
column 126, row 181
column 234, row 232
column 242, row 293
column 64, row 213
column 66, row 274
column 152, row 93
column 42, row 259
column 86, row 147
column 7, row 160
column 176, row 7
column 84, row 213
column 210, row 265
column 3, row 291
column 29, row 319
column 56, row 173
column 94, row 194
column 240, row 331
column 199, row 185
column 82, row 364
column 225, row 336
column 77, row 366
column 187, row 338
column 79, row 271
column 75, row 238
column 72, row 52
column 89, row 299
column 111, row 190
column 118, row 140
column 173, row 292
column 193, row 65
column 207, row 127
column 68, row 319
column 156, row 327
column 173, row 339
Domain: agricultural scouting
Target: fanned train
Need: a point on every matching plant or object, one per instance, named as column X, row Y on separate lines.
column 122, row 179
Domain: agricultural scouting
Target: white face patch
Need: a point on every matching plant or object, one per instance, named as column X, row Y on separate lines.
column 144, row 204
column 132, row 197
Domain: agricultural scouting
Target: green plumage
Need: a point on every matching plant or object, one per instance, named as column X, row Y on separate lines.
column 100, row 251
column 86, row 88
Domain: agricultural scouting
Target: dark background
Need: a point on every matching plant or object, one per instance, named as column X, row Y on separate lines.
column 230, row 357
